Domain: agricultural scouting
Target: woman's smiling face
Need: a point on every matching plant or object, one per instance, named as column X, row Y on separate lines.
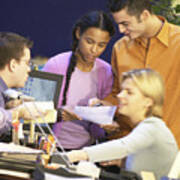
column 132, row 102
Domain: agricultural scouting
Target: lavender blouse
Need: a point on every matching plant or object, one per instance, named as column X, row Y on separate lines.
column 83, row 86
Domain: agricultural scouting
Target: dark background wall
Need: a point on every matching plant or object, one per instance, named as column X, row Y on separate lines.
column 47, row 22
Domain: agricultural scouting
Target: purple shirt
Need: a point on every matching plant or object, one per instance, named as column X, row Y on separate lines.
column 83, row 86
column 5, row 116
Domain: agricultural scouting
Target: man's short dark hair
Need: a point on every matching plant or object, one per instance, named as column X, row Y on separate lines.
column 12, row 47
column 134, row 7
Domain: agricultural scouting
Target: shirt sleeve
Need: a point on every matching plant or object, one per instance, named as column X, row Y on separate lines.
column 96, row 131
column 108, row 84
column 140, row 138
column 50, row 66
column 112, row 97
column 5, row 120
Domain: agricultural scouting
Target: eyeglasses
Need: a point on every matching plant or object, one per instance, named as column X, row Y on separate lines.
column 29, row 63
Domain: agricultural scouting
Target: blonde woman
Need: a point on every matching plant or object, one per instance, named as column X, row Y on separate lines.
column 151, row 145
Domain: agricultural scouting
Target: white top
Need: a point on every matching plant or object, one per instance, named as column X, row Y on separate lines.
column 149, row 147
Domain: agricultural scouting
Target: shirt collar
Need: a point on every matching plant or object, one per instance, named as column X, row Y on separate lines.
column 163, row 35
column 3, row 85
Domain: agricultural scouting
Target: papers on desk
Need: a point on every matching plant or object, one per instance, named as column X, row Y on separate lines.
column 49, row 176
column 17, row 149
column 39, row 107
column 96, row 114
column 50, row 117
column 83, row 171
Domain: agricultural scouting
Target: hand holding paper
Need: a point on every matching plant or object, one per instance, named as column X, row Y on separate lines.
column 110, row 127
column 68, row 114
column 99, row 115
column 95, row 101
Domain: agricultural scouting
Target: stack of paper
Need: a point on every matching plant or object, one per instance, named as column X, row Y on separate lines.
column 17, row 149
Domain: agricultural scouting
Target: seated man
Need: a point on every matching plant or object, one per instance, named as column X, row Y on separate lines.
column 14, row 68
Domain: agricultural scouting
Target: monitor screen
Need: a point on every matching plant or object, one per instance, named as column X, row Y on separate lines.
column 43, row 86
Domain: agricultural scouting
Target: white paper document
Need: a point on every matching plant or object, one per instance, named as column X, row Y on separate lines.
column 96, row 114
column 49, row 176
column 17, row 149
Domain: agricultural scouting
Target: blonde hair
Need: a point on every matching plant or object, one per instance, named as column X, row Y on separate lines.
column 151, row 85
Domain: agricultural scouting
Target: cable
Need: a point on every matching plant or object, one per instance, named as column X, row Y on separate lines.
column 68, row 163
column 51, row 132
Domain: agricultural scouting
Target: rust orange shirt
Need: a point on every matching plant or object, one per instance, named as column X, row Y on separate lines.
column 162, row 54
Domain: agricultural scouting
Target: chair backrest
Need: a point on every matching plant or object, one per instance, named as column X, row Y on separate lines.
column 175, row 169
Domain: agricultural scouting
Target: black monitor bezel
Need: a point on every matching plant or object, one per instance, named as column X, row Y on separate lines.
column 50, row 76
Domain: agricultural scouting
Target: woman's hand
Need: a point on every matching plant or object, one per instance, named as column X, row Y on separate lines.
column 111, row 127
column 77, row 155
column 68, row 115
column 96, row 101
column 117, row 162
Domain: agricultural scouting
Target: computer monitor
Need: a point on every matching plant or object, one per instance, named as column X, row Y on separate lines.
column 43, row 86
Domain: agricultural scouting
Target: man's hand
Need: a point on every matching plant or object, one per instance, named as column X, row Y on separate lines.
column 13, row 103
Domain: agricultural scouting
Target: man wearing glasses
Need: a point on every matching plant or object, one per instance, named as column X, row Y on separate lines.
column 14, row 69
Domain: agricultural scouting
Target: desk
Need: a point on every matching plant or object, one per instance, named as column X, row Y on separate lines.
column 6, row 177
column 24, row 170
column 55, row 177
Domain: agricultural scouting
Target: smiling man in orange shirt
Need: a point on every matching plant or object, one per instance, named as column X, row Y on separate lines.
column 149, row 42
